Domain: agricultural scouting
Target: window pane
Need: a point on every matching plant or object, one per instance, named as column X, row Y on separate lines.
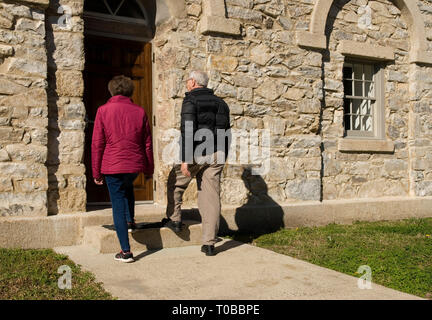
column 367, row 123
column 368, row 72
column 114, row 4
column 356, row 122
column 131, row 9
column 356, row 105
column 96, row 6
column 348, row 87
column 370, row 89
column 364, row 107
column 358, row 71
column 347, row 120
column 370, row 106
column 347, row 108
column 347, row 72
column 358, row 88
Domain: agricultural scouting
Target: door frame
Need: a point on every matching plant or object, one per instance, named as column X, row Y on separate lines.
column 150, row 116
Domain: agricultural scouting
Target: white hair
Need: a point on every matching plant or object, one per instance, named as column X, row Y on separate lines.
column 200, row 77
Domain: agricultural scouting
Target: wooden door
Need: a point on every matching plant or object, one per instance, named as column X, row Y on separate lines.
column 106, row 58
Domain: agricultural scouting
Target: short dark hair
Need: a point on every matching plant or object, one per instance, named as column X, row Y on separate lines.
column 121, row 85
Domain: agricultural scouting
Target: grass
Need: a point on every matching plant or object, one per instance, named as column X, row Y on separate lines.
column 32, row 275
column 398, row 252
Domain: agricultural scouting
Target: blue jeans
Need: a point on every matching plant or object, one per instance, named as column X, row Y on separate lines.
column 120, row 187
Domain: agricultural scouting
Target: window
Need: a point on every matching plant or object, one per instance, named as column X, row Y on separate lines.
column 123, row 10
column 121, row 19
column 362, row 100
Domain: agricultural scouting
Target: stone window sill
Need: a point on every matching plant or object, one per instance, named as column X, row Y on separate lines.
column 365, row 145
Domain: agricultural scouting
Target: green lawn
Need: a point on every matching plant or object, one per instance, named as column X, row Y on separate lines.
column 32, row 275
column 399, row 252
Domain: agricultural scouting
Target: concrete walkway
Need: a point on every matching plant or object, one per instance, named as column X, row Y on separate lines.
column 238, row 271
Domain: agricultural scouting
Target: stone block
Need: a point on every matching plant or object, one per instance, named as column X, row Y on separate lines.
column 11, row 135
column 6, row 51
column 261, row 54
column 303, row 189
column 30, row 185
column 23, row 170
column 25, row 25
column 219, row 25
column 222, row 63
column 69, row 83
column 6, row 184
column 246, row 15
column 270, row 90
column 32, row 153
column 245, row 81
column 194, row 10
column 233, row 191
column 24, row 67
column 281, row 169
column 245, row 94
column 105, row 240
column 67, row 50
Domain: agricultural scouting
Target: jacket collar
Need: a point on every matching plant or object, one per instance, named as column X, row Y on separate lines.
column 198, row 91
column 120, row 98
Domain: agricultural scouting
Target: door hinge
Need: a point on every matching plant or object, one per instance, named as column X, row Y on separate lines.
column 154, row 121
column 154, row 185
column 153, row 57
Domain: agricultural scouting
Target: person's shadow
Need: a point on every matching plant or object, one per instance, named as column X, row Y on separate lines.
column 259, row 215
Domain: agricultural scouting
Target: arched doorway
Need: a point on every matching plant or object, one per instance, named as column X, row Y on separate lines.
column 117, row 41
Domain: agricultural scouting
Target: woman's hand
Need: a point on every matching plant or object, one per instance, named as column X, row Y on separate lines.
column 99, row 182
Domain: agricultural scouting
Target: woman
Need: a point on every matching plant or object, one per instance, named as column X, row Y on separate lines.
column 121, row 148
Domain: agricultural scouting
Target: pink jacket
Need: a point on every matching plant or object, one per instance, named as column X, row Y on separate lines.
column 122, row 141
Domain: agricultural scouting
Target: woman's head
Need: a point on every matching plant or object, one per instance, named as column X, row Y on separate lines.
column 121, row 85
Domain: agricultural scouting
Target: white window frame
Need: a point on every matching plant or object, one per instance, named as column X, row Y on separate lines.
column 378, row 124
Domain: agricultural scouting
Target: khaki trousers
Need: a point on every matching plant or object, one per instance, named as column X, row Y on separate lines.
column 208, row 177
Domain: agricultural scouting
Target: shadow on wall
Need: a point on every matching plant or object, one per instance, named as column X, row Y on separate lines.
column 53, row 161
column 259, row 215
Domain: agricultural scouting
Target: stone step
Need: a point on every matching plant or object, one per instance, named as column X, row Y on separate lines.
column 149, row 236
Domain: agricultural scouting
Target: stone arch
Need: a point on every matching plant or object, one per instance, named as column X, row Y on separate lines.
column 315, row 37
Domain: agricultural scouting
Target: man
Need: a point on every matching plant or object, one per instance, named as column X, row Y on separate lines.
column 203, row 115
column 121, row 148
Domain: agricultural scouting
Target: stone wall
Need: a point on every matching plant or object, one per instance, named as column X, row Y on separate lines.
column 268, row 82
column 362, row 175
column 420, row 129
column 272, row 83
column 23, row 109
column 256, row 63
column 65, row 44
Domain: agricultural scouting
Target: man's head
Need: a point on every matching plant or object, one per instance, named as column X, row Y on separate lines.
column 121, row 85
column 197, row 79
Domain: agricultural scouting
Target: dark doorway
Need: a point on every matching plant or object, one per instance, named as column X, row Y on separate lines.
column 105, row 58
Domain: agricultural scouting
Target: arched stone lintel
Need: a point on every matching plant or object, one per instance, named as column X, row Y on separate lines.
column 315, row 37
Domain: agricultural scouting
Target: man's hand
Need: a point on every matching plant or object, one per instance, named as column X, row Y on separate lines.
column 99, row 181
column 185, row 170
